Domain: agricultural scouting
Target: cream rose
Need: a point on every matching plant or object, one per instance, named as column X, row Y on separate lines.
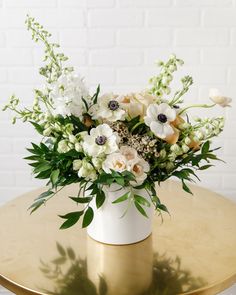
column 139, row 168
column 136, row 104
column 116, row 162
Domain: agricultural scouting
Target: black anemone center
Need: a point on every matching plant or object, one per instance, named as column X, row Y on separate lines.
column 113, row 105
column 162, row 118
column 101, row 140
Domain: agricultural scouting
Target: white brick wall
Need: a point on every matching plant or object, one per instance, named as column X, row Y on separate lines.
column 115, row 42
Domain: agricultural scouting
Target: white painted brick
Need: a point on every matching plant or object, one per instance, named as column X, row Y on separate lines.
column 219, row 17
column 6, row 145
column 22, row 38
column 73, row 38
column 202, row 3
column 134, row 75
column 72, row 3
column 2, row 40
column 191, row 56
column 146, row 3
column 201, row 37
column 101, row 38
column 7, row 178
column 24, row 76
column 232, row 75
column 1, row 2
column 230, row 147
column 76, row 56
column 144, row 37
column 213, row 75
column 13, row 57
column 233, row 37
column 100, row 4
column 3, row 75
column 9, row 130
column 173, row 17
column 101, row 75
column 115, row 57
column 115, row 18
column 30, row 3
column 219, row 56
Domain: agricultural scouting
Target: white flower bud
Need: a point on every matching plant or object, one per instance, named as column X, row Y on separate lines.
column 63, row 147
column 187, row 140
column 185, row 148
column 78, row 147
column 170, row 166
column 47, row 131
column 162, row 154
column 77, row 164
column 175, row 148
column 72, row 138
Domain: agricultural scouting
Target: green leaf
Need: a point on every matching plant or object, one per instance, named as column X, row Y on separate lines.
column 72, row 218
column 45, row 195
column 162, row 207
column 205, row 147
column 36, row 205
column 140, row 209
column 81, row 200
column 42, row 167
column 141, row 200
column 205, row 167
column 120, row 181
column 100, row 199
column 61, row 250
column 54, row 176
column 95, row 96
column 88, row 217
column 122, row 198
column 186, row 188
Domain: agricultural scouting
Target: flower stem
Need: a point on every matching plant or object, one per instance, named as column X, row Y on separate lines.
column 196, row 106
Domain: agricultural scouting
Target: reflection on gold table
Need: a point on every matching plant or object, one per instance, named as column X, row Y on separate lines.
column 191, row 252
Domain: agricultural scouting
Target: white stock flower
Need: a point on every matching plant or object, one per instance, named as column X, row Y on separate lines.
column 116, row 162
column 67, row 93
column 218, row 98
column 101, row 140
column 87, row 170
column 77, row 164
column 108, row 108
column 139, row 168
column 158, row 119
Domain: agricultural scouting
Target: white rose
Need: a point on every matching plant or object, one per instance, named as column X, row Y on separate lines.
column 136, row 104
column 139, row 168
column 63, row 147
column 218, row 98
column 129, row 152
column 116, row 162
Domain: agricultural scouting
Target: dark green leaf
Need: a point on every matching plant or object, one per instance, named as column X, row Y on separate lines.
column 140, row 209
column 54, row 176
column 72, row 218
column 205, row 167
column 45, row 195
column 186, row 188
column 81, row 200
column 205, row 147
column 88, row 217
column 122, row 198
column 36, row 205
column 141, row 200
column 100, row 199
column 37, row 127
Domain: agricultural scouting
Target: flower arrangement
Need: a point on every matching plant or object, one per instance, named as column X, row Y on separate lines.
column 133, row 140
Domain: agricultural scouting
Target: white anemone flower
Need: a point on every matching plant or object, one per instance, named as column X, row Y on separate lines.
column 116, row 162
column 67, row 93
column 101, row 140
column 158, row 118
column 108, row 108
column 218, row 98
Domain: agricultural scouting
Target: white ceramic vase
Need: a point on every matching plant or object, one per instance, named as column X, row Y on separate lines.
column 111, row 227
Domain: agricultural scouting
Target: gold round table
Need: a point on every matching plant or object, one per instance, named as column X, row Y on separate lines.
column 192, row 252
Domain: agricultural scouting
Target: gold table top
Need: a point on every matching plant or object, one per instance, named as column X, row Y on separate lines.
column 191, row 252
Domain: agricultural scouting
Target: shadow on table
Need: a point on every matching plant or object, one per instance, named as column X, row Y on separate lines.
column 117, row 270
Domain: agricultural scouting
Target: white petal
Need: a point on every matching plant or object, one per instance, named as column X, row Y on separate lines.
column 152, row 111
column 170, row 114
column 214, row 92
column 168, row 130
column 158, row 129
